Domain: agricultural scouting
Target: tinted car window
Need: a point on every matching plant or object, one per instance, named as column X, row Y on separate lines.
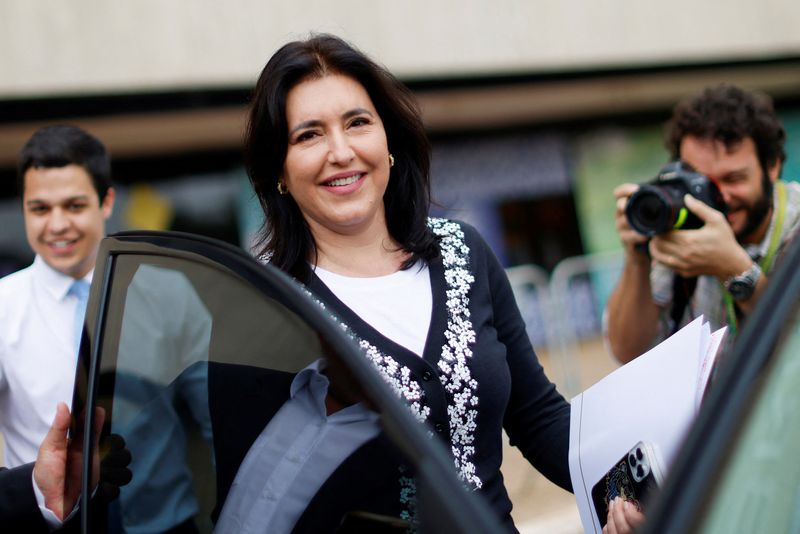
column 173, row 318
column 235, row 408
column 760, row 488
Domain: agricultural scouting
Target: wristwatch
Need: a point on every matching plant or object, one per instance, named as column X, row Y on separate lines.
column 741, row 286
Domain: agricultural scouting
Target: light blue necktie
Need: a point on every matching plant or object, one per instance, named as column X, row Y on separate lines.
column 79, row 288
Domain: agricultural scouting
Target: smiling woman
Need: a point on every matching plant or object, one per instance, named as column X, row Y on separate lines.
column 337, row 162
column 368, row 104
column 339, row 158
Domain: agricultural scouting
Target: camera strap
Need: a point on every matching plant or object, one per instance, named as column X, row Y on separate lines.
column 765, row 263
column 682, row 291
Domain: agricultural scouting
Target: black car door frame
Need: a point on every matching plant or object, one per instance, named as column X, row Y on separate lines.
column 696, row 471
column 444, row 503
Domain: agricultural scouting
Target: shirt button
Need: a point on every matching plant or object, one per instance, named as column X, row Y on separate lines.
column 439, row 427
column 427, row 375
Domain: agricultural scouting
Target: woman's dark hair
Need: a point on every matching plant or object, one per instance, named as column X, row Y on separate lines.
column 286, row 236
column 61, row 145
column 729, row 114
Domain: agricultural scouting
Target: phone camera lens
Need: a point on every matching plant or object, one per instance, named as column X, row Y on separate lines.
column 632, row 460
column 640, row 471
column 639, row 454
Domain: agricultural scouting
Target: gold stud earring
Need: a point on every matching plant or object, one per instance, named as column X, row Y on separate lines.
column 391, row 160
column 282, row 188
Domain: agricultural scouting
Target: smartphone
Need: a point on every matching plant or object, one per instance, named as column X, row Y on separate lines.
column 633, row 477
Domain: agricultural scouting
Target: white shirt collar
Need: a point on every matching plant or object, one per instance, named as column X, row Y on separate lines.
column 55, row 282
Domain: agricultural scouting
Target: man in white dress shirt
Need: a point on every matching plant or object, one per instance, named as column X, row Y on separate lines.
column 64, row 177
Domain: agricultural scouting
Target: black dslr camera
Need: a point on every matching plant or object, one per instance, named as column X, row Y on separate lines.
column 657, row 206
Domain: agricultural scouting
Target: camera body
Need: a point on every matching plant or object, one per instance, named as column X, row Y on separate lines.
column 657, row 206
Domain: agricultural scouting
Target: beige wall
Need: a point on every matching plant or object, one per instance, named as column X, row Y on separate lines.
column 66, row 46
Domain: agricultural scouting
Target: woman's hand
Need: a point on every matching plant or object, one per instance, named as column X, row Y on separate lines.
column 623, row 517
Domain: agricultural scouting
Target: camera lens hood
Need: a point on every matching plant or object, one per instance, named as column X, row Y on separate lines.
column 650, row 210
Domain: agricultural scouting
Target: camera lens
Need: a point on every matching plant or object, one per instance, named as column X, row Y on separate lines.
column 650, row 211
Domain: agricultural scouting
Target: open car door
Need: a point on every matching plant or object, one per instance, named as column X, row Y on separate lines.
column 207, row 366
column 738, row 468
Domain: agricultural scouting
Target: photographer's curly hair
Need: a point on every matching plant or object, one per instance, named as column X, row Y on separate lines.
column 729, row 114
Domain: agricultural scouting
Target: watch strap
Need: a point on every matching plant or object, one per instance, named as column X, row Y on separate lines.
column 741, row 286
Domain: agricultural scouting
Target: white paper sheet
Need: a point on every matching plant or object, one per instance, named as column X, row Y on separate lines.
column 653, row 398
column 707, row 363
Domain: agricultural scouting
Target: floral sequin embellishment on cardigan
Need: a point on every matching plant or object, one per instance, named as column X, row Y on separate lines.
column 462, row 406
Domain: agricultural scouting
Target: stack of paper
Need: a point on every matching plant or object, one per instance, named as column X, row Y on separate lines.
column 653, row 399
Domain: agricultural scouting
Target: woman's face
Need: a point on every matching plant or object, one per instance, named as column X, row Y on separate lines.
column 337, row 161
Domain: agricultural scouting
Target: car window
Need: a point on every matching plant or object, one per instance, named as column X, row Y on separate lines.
column 195, row 368
column 177, row 318
column 241, row 401
column 759, row 491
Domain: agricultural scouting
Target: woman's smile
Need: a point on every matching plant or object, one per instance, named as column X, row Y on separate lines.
column 341, row 183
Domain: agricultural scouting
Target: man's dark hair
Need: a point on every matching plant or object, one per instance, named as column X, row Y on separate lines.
column 62, row 145
column 286, row 236
column 729, row 114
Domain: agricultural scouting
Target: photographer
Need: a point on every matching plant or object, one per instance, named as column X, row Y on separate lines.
column 734, row 138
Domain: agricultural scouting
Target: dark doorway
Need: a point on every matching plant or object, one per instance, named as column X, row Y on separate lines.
column 542, row 231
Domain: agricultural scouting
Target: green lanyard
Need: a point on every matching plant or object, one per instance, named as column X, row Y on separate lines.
column 766, row 261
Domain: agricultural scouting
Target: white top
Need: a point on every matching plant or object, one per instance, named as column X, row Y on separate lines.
column 37, row 356
column 398, row 305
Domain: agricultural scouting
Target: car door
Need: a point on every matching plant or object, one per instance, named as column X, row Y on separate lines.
column 205, row 366
column 738, row 469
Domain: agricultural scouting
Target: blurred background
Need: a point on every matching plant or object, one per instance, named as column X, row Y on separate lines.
column 536, row 109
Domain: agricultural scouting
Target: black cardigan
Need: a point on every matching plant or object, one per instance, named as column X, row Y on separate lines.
column 475, row 321
column 511, row 389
